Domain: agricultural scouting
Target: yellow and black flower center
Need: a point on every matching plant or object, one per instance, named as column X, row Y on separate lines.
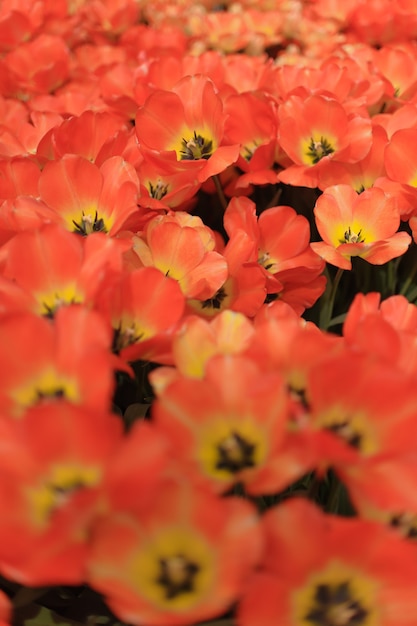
column 177, row 576
column 58, row 392
column 215, row 302
column 406, row 524
column 351, row 426
column 89, row 224
column 50, row 301
column 196, row 148
column 175, row 568
column 158, row 191
column 62, row 483
column 49, row 309
column 235, row 453
column 61, row 493
column 249, row 150
column 266, row 261
column 49, row 385
column 336, row 605
column 347, row 432
column 338, row 595
column 231, row 448
column 125, row 335
column 352, row 237
column 316, row 150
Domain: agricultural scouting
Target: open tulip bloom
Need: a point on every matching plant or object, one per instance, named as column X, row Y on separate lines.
column 363, row 225
column 208, row 313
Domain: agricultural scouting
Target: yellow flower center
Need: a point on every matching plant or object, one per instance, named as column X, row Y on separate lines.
column 49, row 302
column 175, row 569
column 353, row 233
column 267, row 262
column 351, row 426
column 220, row 301
column 249, row 149
column 157, row 190
column 216, row 301
column 338, row 596
column 193, row 145
column 88, row 221
column 57, row 488
column 88, row 224
column 128, row 332
column 406, row 524
column 316, row 148
column 48, row 385
column 351, row 237
column 229, row 448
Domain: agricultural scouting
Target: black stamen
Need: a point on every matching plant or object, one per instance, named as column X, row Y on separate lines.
column 216, row 301
column 235, row 453
column 196, row 148
column 177, row 576
column 319, row 149
column 335, row 606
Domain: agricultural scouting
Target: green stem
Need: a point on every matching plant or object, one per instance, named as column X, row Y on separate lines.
column 327, row 310
column 409, row 280
column 392, row 275
column 334, row 494
column 339, row 319
column 220, row 192
column 412, row 295
column 314, row 486
column 275, row 198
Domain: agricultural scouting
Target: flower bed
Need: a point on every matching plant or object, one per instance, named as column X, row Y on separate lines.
column 208, row 319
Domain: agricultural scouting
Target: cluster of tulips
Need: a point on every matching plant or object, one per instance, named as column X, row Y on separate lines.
column 208, row 318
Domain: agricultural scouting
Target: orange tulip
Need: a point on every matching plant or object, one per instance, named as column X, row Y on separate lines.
column 193, row 132
column 319, row 569
column 318, row 128
column 88, row 198
column 51, row 471
column 354, row 224
column 182, row 247
column 362, row 430
column 177, row 555
column 59, row 268
column 43, row 362
column 143, row 307
column 229, row 426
